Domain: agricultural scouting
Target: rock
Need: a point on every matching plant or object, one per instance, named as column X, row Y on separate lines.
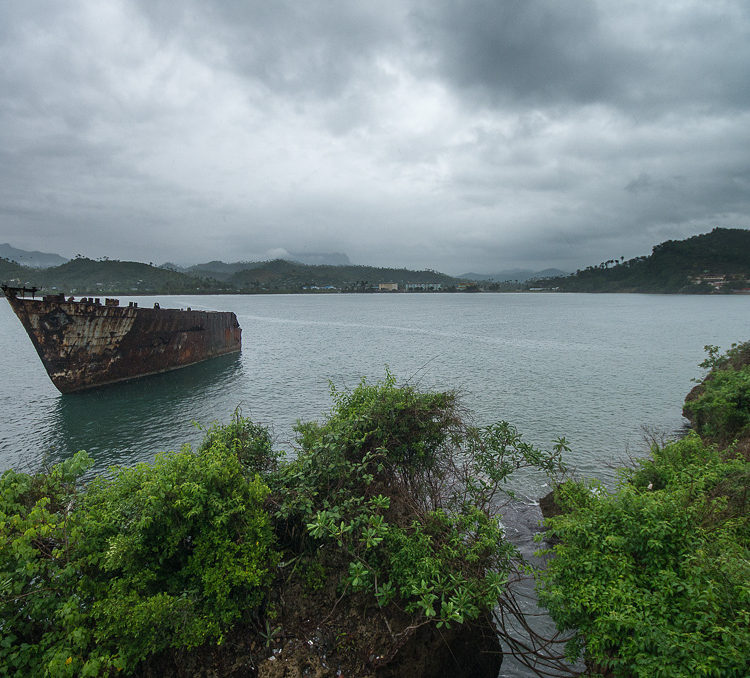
column 462, row 651
column 365, row 641
column 548, row 506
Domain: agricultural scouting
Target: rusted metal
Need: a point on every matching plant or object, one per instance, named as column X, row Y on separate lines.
column 85, row 343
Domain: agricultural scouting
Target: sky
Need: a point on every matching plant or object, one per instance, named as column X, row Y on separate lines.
column 452, row 135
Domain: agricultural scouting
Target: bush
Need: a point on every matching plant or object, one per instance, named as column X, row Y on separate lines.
column 393, row 498
column 159, row 556
column 38, row 575
column 719, row 407
column 250, row 442
column 653, row 579
column 183, row 547
column 407, row 493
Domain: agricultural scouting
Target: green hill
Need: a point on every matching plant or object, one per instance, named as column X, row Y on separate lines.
column 11, row 270
column 718, row 261
column 86, row 276
column 221, row 271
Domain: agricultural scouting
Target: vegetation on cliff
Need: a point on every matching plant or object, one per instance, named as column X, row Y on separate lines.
column 379, row 536
column 719, row 407
column 674, row 266
column 654, row 578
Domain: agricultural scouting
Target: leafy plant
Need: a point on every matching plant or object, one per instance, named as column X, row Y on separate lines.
column 250, row 442
column 392, row 498
column 38, row 575
column 398, row 484
column 182, row 547
column 159, row 556
column 653, row 579
column 720, row 406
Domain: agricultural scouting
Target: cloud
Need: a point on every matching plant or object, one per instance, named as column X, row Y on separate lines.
column 644, row 57
column 450, row 135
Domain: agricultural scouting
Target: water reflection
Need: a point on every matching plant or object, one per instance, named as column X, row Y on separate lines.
column 115, row 423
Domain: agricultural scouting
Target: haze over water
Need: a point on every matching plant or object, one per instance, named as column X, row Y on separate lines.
column 592, row 368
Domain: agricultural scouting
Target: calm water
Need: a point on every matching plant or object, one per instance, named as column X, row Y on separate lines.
column 594, row 368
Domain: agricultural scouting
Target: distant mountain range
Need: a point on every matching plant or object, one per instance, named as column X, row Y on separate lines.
column 280, row 274
column 110, row 276
column 516, row 274
column 214, row 269
column 718, row 261
column 223, row 271
column 85, row 276
column 32, row 259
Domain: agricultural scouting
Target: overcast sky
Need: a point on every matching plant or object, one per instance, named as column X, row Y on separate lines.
column 460, row 136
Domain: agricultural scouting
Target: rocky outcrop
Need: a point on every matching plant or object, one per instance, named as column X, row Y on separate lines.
column 324, row 634
column 461, row 652
column 549, row 506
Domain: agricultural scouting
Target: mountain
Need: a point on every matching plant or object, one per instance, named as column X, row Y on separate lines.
column 718, row 261
column 223, row 271
column 516, row 274
column 85, row 276
column 33, row 259
column 220, row 270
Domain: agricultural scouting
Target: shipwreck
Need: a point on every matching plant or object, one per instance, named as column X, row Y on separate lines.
column 86, row 343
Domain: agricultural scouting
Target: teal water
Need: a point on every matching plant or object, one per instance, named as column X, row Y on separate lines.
column 593, row 368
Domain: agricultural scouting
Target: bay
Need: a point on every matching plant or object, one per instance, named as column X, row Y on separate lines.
column 593, row 368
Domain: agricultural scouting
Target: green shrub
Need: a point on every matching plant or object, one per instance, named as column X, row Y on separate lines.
column 722, row 409
column 39, row 609
column 181, row 549
column 393, row 497
column 251, row 443
column 720, row 406
column 395, row 482
column 167, row 555
column 654, row 579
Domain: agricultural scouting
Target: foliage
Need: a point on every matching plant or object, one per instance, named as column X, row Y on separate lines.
column 393, row 498
column 654, row 578
column 669, row 268
column 398, row 484
column 38, row 575
column 250, row 442
column 157, row 556
column 720, row 406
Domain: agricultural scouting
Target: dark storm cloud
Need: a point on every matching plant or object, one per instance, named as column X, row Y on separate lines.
column 452, row 135
column 644, row 57
column 522, row 51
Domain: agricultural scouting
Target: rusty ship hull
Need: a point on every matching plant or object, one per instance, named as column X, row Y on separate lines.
column 84, row 343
